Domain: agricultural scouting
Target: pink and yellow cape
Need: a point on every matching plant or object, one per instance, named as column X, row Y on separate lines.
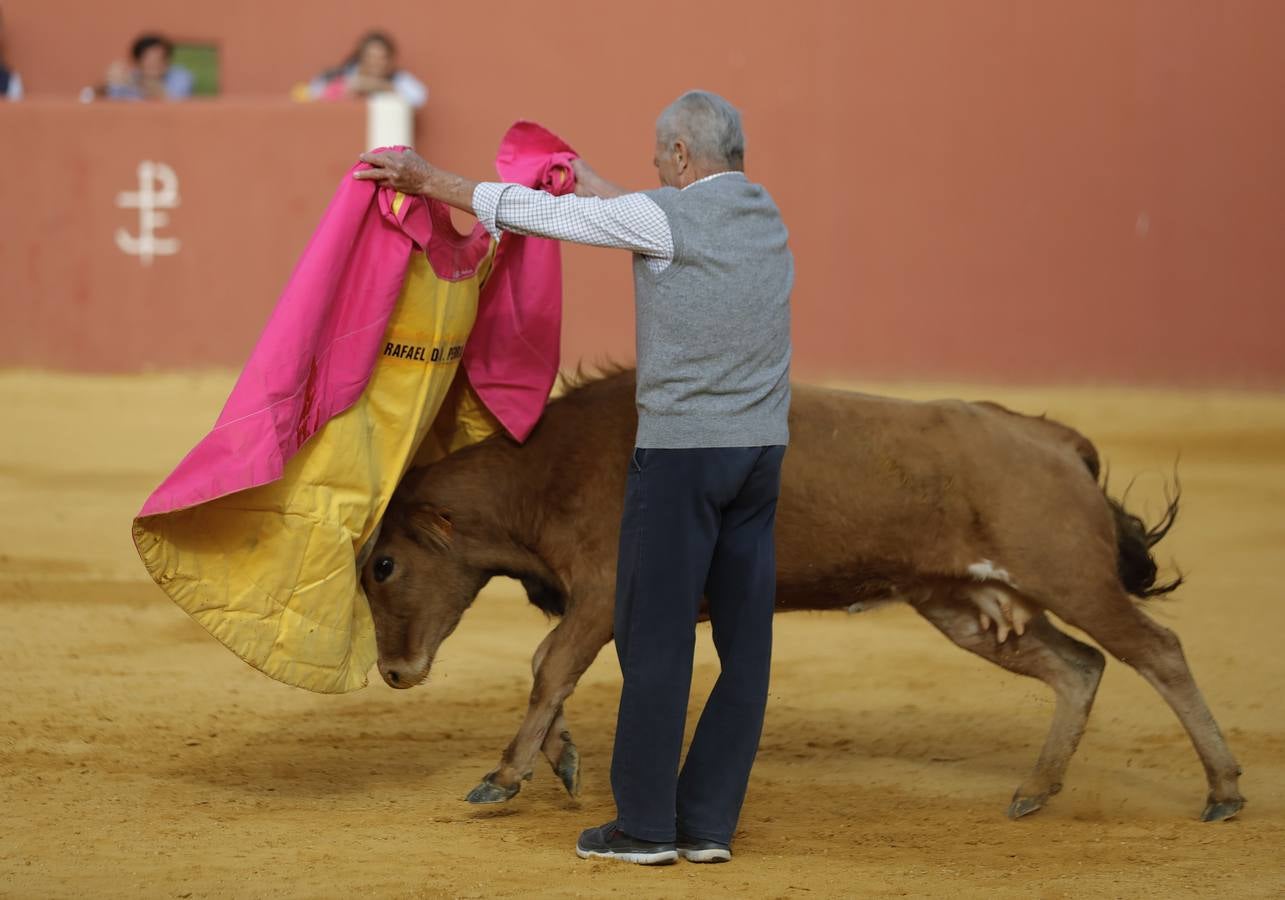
column 396, row 339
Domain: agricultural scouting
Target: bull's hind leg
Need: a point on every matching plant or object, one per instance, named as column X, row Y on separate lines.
column 558, row 747
column 1135, row 638
column 1070, row 668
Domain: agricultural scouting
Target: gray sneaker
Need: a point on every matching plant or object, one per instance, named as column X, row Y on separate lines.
column 609, row 842
column 698, row 850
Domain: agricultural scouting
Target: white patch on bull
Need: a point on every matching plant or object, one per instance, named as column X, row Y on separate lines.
column 988, row 571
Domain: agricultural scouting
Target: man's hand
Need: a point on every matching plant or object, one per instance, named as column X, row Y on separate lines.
column 404, row 171
column 590, row 184
column 585, row 177
column 410, row 173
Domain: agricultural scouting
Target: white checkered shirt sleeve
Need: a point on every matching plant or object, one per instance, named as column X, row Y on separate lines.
column 629, row 222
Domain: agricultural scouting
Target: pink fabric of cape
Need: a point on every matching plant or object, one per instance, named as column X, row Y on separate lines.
column 319, row 347
column 315, row 354
column 512, row 355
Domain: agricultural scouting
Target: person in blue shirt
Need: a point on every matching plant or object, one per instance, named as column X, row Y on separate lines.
column 152, row 76
column 10, row 83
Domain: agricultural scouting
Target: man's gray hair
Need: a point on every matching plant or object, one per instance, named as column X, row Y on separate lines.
column 708, row 125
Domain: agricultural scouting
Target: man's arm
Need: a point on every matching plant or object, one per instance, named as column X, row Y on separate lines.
column 408, row 172
column 624, row 221
column 629, row 222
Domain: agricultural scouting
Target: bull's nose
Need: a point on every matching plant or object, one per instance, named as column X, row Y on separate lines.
column 395, row 675
column 403, row 673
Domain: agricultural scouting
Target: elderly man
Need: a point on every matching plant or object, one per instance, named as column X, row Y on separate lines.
column 712, row 279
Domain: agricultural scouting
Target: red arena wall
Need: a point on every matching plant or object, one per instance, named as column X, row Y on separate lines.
column 1008, row 191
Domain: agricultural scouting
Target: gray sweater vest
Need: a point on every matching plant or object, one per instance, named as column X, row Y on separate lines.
column 713, row 329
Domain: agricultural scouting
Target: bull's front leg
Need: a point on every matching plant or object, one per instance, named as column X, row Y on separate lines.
column 559, row 662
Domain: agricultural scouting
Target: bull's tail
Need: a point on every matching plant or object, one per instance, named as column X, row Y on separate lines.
column 1134, row 540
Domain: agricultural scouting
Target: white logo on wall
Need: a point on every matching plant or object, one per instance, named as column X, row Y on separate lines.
column 157, row 191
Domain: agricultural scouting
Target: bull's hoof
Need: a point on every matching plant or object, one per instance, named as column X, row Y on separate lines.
column 490, row 792
column 1222, row 810
column 568, row 769
column 1024, row 806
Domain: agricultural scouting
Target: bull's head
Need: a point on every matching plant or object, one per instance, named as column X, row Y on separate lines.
column 418, row 585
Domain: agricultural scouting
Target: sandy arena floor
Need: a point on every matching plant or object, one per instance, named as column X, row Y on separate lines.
column 139, row 758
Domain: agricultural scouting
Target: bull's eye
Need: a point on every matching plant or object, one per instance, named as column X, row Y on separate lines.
column 383, row 568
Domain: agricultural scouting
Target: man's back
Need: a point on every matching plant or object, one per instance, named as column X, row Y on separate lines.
column 713, row 328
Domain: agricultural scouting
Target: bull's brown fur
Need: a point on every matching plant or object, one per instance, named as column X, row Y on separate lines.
column 882, row 499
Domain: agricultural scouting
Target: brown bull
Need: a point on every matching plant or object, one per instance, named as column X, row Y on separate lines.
column 974, row 515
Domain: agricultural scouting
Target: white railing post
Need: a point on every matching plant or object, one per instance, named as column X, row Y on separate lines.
column 389, row 121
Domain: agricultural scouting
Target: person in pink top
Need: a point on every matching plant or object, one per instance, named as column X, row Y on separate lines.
column 371, row 69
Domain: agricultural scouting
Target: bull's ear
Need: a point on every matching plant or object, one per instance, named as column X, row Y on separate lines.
column 433, row 524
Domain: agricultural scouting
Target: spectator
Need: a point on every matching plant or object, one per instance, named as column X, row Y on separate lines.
column 151, row 77
column 10, row 83
column 371, row 69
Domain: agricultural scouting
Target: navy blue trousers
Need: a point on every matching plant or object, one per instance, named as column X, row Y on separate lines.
column 696, row 523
